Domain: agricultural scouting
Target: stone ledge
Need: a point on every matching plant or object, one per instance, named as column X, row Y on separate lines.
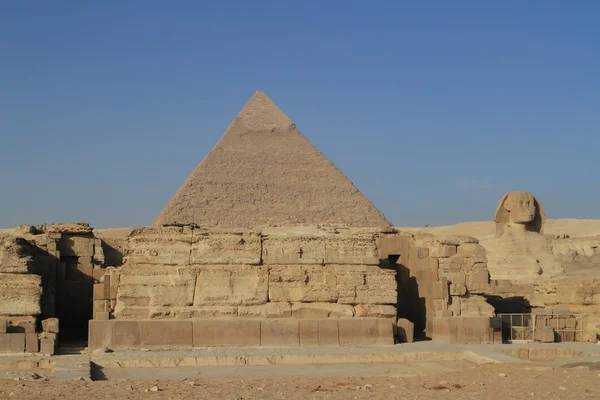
column 247, row 332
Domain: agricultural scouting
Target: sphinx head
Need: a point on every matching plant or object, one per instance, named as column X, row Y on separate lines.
column 521, row 211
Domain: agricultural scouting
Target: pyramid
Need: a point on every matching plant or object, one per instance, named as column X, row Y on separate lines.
column 264, row 172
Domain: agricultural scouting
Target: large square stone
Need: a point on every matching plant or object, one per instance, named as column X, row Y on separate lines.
column 280, row 333
column 126, row 334
column 167, row 333
column 100, row 334
column 12, row 342
column 366, row 332
column 226, row 333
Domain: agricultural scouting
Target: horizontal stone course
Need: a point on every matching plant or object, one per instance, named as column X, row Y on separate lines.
column 287, row 332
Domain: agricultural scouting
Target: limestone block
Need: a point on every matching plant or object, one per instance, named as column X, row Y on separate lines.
column 321, row 310
column 302, row 283
column 231, row 285
column 392, row 244
column 98, row 257
column 32, row 343
column 3, row 325
column 458, row 289
column 160, row 245
column 268, row 310
column 456, row 277
column 440, row 289
column 475, row 306
column 100, row 334
column 280, row 333
column 544, row 334
column 154, row 285
column 478, row 276
column 227, row 333
column 76, row 246
column 166, row 333
column 309, row 332
column 293, row 250
column 375, row 311
column 357, row 249
column 439, row 250
column 221, row 247
column 126, row 334
column 472, row 250
column 12, row 342
column 406, row 330
column 20, row 294
column 366, row 285
column 24, row 326
column 457, row 240
column 80, row 228
column 99, row 291
column 98, row 273
column 450, row 265
column 103, row 315
column 360, row 332
column 318, row 333
column 454, row 305
column 16, row 255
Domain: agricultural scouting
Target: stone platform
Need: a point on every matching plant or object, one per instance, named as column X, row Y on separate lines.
column 121, row 334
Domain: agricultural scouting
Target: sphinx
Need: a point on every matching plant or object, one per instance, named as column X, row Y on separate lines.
column 520, row 252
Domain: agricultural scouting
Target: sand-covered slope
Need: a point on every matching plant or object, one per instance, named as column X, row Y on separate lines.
column 575, row 228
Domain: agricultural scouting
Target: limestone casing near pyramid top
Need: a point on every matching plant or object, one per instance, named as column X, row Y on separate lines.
column 264, row 172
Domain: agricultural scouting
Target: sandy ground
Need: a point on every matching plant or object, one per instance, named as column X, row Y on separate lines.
column 492, row 381
column 575, row 228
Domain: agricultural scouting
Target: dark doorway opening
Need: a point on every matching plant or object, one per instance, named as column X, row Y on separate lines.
column 410, row 306
column 74, row 296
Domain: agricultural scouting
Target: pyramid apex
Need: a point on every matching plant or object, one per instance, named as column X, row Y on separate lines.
column 261, row 114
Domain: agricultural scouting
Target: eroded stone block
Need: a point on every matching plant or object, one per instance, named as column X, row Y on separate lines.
column 294, row 250
column 20, row 294
column 268, row 310
column 231, row 285
column 366, row 285
column 160, row 245
column 406, row 330
column 374, row 311
column 220, row 247
column 300, row 283
column 321, row 310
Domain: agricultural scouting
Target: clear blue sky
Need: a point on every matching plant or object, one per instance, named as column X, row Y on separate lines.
column 432, row 108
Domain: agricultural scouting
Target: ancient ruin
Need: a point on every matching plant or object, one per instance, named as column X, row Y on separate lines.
column 267, row 244
column 521, row 252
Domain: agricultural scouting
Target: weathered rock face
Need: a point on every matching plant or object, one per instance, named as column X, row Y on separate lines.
column 184, row 272
column 261, row 156
column 20, row 294
column 16, row 255
column 523, row 257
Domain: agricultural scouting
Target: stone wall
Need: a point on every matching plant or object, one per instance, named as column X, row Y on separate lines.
column 183, row 272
